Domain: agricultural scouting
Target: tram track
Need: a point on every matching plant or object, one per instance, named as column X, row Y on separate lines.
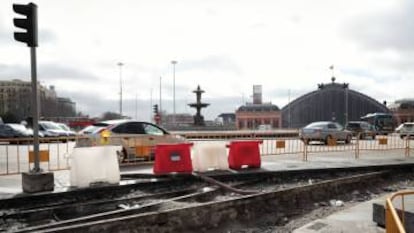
column 163, row 210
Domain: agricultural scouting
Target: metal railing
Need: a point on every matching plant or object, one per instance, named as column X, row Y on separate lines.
column 14, row 153
column 293, row 145
column 395, row 218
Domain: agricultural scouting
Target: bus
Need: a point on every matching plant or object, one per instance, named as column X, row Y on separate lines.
column 383, row 122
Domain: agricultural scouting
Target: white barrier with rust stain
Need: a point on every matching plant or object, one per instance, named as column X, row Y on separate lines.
column 210, row 156
column 97, row 164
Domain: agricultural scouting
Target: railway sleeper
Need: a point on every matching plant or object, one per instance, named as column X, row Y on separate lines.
column 212, row 214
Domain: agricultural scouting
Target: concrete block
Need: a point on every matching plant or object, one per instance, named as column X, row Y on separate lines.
column 210, row 156
column 378, row 213
column 37, row 182
column 378, row 216
column 103, row 160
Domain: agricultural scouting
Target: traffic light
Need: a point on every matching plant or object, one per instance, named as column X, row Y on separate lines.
column 155, row 108
column 29, row 24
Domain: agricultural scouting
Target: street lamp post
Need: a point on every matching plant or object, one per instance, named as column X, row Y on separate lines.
column 160, row 99
column 120, row 64
column 173, row 63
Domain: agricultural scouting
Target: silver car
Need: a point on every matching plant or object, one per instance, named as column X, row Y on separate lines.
column 323, row 131
column 406, row 130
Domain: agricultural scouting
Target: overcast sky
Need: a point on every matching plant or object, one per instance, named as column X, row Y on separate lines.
column 224, row 46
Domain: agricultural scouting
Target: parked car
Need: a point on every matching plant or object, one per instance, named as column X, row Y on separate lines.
column 407, row 130
column 14, row 131
column 361, row 129
column 323, row 131
column 66, row 128
column 51, row 129
column 264, row 127
column 138, row 139
column 397, row 130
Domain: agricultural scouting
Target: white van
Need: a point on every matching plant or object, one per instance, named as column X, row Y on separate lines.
column 264, row 127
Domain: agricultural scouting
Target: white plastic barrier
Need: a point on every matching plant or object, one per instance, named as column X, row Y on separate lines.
column 209, row 156
column 94, row 165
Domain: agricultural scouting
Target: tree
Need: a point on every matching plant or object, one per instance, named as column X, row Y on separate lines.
column 9, row 117
column 110, row 116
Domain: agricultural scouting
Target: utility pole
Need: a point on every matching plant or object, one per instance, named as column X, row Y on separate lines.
column 289, row 116
column 173, row 63
column 160, row 99
column 136, row 106
column 120, row 64
column 150, row 116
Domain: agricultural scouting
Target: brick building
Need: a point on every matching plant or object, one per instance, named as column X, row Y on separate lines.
column 403, row 110
column 251, row 115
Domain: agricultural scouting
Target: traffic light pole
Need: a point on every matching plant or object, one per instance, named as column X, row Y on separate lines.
column 35, row 180
column 35, row 110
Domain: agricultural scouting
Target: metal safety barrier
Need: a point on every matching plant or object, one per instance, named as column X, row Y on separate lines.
column 293, row 145
column 395, row 218
column 14, row 153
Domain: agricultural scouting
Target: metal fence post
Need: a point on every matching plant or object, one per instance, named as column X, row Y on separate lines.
column 305, row 151
column 357, row 147
column 407, row 147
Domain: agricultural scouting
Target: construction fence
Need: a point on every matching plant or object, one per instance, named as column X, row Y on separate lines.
column 16, row 155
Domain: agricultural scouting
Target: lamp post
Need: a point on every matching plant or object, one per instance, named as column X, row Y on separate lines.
column 173, row 63
column 120, row 64
column 160, row 99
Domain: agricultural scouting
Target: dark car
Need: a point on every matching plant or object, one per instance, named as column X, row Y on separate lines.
column 137, row 138
column 361, row 129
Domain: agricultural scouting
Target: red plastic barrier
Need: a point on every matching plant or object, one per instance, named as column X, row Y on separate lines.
column 244, row 153
column 172, row 158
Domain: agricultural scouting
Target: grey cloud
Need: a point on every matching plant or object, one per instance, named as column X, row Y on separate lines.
column 47, row 36
column 91, row 104
column 47, row 72
column 6, row 34
column 95, row 105
column 258, row 25
column 211, row 63
column 393, row 29
column 14, row 72
column 366, row 74
column 278, row 93
column 220, row 105
column 50, row 72
column 211, row 12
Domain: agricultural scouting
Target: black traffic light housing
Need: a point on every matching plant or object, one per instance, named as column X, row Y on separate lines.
column 155, row 108
column 29, row 24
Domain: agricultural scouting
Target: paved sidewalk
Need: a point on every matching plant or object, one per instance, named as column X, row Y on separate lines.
column 357, row 219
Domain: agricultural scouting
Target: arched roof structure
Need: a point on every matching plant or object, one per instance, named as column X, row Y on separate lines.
column 330, row 102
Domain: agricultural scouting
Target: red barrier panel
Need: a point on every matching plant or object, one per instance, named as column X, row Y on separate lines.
column 244, row 153
column 172, row 158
